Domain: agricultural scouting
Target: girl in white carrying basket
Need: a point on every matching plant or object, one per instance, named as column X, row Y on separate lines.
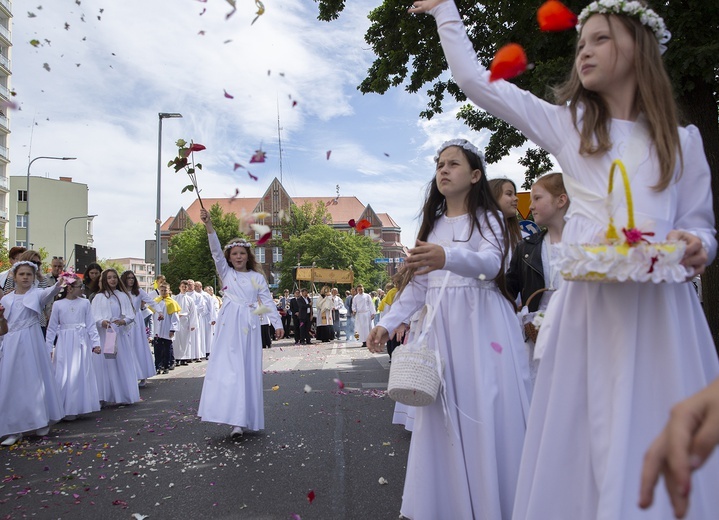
column 628, row 351
column 465, row 448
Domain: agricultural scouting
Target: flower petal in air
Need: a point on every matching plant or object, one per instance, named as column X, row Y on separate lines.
column 352, row 223
column 363, row 224
column 262, row 229
column 510, row 61
column 259, row 156
column 260, row 215
column 555, row 16
column 496, row 347
column 228, row 96
column 329, row 152
column 264, row 238
column 253, row 177
column 196, row 147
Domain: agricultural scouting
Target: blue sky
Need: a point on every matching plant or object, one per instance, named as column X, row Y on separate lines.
column 141, row 58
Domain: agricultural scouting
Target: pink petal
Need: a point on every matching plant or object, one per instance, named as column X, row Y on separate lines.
column 253, row 177
column 237, row 165
column 339, row 383
column 264, row 238
column 228, row 96
column 311, row 496
column 496, row 347
column 329, row 152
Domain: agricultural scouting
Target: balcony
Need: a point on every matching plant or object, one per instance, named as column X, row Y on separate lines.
column 5, row 33
column 4, row 125
column 7, row 7
column 5, row 62
column 4, row 153
column 3, row 214
column 4, row 183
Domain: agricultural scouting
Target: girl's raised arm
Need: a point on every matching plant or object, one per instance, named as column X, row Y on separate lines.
column 215, row 246
column 535, row 118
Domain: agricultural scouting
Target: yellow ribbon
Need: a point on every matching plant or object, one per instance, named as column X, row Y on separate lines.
column 171, row 305
column 612, row 235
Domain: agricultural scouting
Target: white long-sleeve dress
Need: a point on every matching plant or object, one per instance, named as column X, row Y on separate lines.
column 144, row 364
column 466, row 466
column 232, row 391
column 29, row 397
column 116, row 378
column 72, row 325
column 183, row 345
column 615, row 357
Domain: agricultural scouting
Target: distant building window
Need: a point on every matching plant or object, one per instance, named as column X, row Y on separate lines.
column 260, row 254
column 22, row 195
column 21, row 221
column 21, row 243
column 276, row 233
column 276, row 254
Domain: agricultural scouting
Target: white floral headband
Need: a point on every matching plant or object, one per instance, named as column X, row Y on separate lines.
column 16, row 265
column 237, row 244
column 461, row 143
column 645, row 15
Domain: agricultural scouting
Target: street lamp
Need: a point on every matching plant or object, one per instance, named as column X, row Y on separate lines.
column 158, row 241
column 27, row 192
column 64, row 234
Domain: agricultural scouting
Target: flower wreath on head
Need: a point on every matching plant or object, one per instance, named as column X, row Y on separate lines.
column 242, row 243
column 644, row 14
column 461, row 143
column 16, row 265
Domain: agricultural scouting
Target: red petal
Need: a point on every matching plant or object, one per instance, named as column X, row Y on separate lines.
column 329, row 152
column 510, row 61
column 352, row 222
column 311, row 496
column 363, row 224
column 259, row 157
column 294, row 104
column 228, row 96
column 237, row 165
column 196, row 147
column 555, row 16
column 264, row 238
column 253, row 177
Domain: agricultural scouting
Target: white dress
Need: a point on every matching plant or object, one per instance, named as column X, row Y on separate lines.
column 184, row 337
column 72, row 325
column 116, row 378
column 29, row 397
column 465, row 464
column 144, row 364
column 616, row 357
column 232, row 391
column 363, row 306
column 203, row 322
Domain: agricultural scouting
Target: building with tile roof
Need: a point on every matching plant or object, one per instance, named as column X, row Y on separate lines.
column 275, row 200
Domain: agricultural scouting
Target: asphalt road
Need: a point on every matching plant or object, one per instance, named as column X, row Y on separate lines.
column 156, row 458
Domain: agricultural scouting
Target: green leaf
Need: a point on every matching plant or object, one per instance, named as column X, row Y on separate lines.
column 189, row 187
column 198, row 166
column 190, row 171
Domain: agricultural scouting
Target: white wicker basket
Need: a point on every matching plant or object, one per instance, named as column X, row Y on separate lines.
column 415, row 374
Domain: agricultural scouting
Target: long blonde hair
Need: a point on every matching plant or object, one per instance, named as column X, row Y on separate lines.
column 654, row 98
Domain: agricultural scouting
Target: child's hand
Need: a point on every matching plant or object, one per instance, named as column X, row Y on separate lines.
column 120, row 322
column 695, row 256
column 422, row 6
column 377, row 339
column 96, row 350
column 204, row 216
column 160, row 317
column 426, row 257
column 105, row 324
column 172, row 334
column 401, row 331
column 683, row 446
column 2, row 312
column 279, row 333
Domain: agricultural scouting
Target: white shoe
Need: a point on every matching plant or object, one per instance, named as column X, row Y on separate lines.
column 142, row 383
column 236, row 432
column 69, row 418
column 11, row 439
column 43, row 431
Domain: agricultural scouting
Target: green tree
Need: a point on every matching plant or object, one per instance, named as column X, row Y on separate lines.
column 4, row 260
column 106, row 264
column 300, row 218
column 408, row 54
column 325, row 247
column 189, row 252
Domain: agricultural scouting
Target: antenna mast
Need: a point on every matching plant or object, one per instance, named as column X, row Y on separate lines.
column 279, row 139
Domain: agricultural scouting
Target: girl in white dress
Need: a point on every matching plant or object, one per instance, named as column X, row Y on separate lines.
column 144, row 364
column 72, row 325
column 232, row 391
column 464, row 458
column 614, row 356
column 29, row 398
column 111, row 308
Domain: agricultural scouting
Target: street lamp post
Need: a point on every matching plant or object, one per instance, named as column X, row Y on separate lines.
column 158, row 241
column 27, row 192
column 64, row 234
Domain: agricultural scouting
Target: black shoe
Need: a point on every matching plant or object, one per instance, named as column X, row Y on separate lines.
column 166, row 371
column 171, row 367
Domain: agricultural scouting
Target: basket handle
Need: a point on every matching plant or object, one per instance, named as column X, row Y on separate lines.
column 611, row 230
column 535, row 293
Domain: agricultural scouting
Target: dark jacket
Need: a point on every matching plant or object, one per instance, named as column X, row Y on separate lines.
column 526, row 272
column 305, row 308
